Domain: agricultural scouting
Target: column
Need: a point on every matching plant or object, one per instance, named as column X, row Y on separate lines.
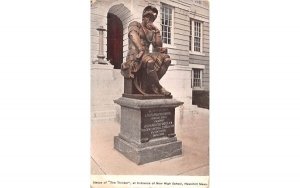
column 100, row 55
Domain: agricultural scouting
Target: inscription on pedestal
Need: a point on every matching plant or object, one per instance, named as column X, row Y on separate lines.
column 156, row 123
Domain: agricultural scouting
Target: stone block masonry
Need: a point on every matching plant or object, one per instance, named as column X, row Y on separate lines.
column 147, row 131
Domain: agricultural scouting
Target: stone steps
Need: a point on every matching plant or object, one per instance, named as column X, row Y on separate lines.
column 104, row 115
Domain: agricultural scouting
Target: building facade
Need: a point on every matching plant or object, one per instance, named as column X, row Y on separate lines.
column 184, row 26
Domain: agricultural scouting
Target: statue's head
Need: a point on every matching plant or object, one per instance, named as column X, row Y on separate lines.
column 150, row 13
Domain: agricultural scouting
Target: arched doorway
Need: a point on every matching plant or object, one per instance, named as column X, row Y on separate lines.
column 114, row 40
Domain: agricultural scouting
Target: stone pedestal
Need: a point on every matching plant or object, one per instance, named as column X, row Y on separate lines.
column 147, row 130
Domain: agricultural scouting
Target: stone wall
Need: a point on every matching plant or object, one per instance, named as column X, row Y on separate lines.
column 106, row 86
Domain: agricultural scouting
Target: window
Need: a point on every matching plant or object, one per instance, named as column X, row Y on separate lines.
column 197, row 78
column 166, row 15
column 196, row 36
column 197, row 2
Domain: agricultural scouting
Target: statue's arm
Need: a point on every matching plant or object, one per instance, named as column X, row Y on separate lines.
column 133, row 35
column 157, row 43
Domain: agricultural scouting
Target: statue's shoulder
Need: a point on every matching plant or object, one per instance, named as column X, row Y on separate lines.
column 134, row 24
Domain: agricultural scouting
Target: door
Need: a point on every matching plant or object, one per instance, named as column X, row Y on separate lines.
column 114, row 40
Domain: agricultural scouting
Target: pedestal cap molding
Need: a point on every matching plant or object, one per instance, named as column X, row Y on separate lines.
column 149, row 103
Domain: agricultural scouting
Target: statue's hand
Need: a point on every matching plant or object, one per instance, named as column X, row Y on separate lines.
column 163, row 50
column 155, row 28
column 140, row 55
column 152, row 27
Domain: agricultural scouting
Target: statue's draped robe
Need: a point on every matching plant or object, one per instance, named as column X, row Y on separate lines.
column 141, row 38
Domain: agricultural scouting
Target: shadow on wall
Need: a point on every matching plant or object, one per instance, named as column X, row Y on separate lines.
column 201, row 99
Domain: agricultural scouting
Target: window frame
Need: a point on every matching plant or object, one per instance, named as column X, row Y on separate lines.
column 200, row 79
column 171, row 45
column 192, row 37
column 193, row 68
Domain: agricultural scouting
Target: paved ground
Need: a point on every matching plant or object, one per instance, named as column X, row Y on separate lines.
column 193, row 131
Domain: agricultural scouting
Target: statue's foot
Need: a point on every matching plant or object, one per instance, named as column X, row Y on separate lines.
column 160, row 91
column 164, row 92
column 155, row 90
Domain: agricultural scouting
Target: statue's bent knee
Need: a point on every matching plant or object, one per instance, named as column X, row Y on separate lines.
column 150, row 65
column 167, row 61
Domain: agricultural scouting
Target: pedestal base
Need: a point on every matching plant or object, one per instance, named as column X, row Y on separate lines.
column 145, row 153
column 147, row 131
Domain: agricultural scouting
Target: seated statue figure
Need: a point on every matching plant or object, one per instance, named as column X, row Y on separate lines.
column 143, row 67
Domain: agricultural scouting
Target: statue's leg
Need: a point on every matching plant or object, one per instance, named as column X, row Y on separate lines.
column 164, row 67
column 154, row 79
column 152, row 76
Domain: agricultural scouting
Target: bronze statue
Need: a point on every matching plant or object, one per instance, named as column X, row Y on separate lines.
column 143, row 67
